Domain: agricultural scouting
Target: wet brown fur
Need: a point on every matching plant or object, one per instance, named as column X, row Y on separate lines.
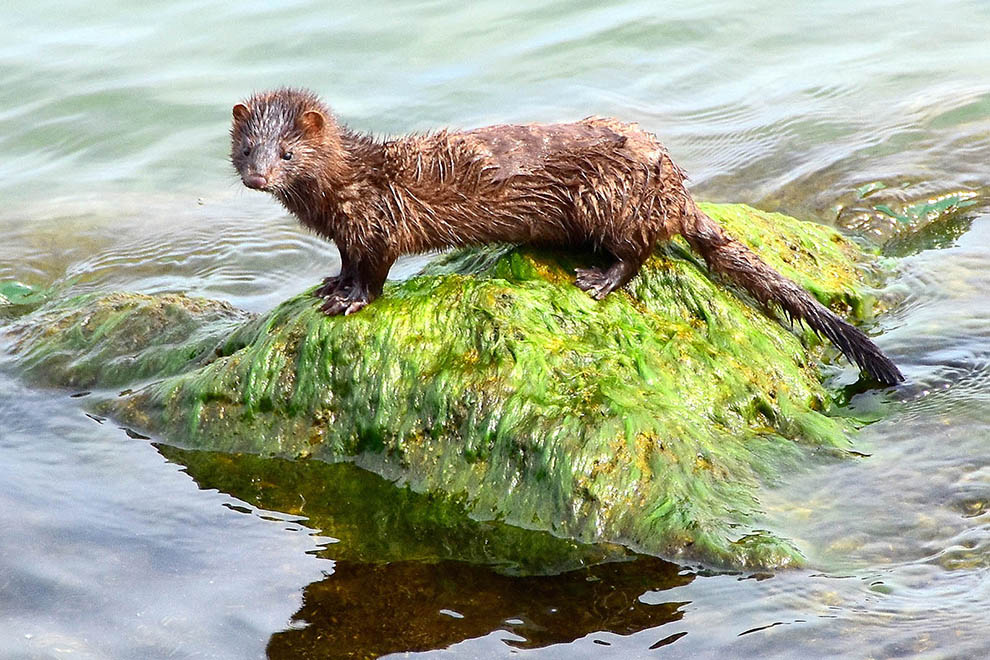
column 597, row 184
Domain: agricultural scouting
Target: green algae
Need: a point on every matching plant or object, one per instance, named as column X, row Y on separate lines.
column 17, row 293
column 17, row 298
column 921, row 213
column 650, row 419
column 119, row 339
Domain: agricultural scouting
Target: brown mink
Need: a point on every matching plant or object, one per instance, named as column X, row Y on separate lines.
column 597, row 184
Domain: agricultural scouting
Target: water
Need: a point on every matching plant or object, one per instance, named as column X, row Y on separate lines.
column 113, row 175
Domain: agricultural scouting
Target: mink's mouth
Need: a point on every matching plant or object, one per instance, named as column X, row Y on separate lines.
column 255, row 181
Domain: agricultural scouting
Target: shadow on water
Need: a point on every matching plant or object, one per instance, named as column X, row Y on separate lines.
column 412, row 573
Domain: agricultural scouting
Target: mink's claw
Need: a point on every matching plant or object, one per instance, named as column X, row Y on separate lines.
column 593, row 280
column 341, row 304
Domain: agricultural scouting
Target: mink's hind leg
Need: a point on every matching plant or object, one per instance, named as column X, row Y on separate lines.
column 599, row 283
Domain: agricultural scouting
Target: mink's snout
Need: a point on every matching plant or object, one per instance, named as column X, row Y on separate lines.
column 255, row 181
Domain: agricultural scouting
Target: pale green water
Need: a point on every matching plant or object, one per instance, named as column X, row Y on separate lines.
column 113, row 175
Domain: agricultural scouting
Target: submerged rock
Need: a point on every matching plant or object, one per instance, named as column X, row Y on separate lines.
column 650, row 419
column 120, row 338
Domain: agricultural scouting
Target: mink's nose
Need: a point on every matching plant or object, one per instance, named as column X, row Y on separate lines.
column 255, row 181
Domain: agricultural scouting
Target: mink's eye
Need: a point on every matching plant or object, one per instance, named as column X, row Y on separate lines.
column 246, row 151
column 287, row 155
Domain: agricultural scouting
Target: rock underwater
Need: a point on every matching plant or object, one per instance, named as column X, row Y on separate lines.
column 649, row 420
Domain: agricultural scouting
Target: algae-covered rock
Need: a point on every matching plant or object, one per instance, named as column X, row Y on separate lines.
column 650, row 419
column 119, row 339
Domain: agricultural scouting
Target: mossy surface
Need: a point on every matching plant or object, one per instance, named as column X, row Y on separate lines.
column 119, row 339
column 650, row 419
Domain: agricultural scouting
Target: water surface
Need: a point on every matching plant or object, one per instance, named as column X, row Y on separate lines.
column 113, row 175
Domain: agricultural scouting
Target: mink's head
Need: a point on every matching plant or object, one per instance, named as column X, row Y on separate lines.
column 280, row 137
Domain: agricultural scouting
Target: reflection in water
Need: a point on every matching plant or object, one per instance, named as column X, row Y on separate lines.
column 373, row 520
column 366, row 610
column 413, row 573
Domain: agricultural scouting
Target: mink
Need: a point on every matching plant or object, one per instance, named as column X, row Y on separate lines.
column 598, row 184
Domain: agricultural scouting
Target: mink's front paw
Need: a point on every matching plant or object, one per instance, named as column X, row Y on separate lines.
column 346, row 304
column 328, row 287
column 334, row 285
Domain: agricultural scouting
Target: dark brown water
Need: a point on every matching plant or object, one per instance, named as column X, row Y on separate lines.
column 113, row 175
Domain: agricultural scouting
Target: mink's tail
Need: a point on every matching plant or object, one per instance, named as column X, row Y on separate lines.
column 729, row 257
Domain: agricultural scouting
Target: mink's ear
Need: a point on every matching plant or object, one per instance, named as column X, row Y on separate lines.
column 311, row 123
column 241, row 112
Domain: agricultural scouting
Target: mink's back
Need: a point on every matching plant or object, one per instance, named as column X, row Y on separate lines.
column 562, row 184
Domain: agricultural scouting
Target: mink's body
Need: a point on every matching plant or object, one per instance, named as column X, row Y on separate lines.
column 596, row 184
